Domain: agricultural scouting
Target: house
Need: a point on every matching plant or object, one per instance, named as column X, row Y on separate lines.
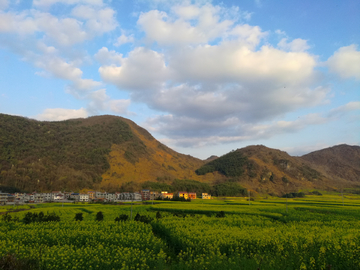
column 183, row 194
column 154, row 195
column 91, row 194
column 137, row 196
column 192, row 195
column 205, row 196
column 166, row 195
column 83, row 197
column 145, row 194
column 3, row 197
column 74, row 196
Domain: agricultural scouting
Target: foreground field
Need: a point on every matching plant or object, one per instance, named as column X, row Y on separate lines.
column 316, row 232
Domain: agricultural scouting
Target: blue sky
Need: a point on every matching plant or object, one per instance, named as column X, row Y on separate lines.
column 204, row 77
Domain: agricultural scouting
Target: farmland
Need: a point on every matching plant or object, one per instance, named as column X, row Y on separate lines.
column 315, row 232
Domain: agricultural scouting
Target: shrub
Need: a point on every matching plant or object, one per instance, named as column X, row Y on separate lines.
column 6, row 217
column 143, row 218
column 99, row 216
column 122, row 217
column 35, row 217
column 79, row 217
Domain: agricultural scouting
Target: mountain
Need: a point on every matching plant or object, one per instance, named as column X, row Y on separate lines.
column 267, row 170
column 114, row 154
column 107, row 152
column 341, row 162
column 211, row 158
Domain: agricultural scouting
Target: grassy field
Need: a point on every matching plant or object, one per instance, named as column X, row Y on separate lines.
column 315, row 232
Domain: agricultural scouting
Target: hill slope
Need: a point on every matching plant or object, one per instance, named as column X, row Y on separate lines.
column 97, row 152
column 113, row 153
column 341, row 162
column 267, row 170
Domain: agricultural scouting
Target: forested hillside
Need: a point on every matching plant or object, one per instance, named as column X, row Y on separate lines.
column 267, row 170
column 104, row 152
column 58, row 155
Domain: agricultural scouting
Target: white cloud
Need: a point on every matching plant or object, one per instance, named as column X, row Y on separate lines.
column 4, row 4
column 106, row 57
column 280, row 32
column 166, row 30
column 64, row 31
column 247, row 34
column 297, row 45
column 144, row 69
column 187, row 132
column 97, row 21
column 340, row 111
column 225, row 90
column 59, row 114
column 100, row 101
column 345, row 62
column 233, row 63
column 123, row 39
column 22, row 23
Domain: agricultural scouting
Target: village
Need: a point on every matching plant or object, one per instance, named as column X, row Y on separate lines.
column 95, row 196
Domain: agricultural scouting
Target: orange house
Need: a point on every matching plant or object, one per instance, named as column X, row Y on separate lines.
column 192, row 195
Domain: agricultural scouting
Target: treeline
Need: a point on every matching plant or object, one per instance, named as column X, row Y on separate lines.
column 218, row 189
column 70, row 154
column 232, row 165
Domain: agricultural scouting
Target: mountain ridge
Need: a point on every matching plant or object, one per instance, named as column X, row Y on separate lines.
column 115, row 154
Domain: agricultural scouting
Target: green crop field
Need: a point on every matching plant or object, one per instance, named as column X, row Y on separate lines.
column 314, row 232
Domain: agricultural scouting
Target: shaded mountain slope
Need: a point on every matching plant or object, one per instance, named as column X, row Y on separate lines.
column 341, row 162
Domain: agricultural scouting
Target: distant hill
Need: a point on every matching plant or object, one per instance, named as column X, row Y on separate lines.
column 269, row 170
column 211, row 158
column 341, row 162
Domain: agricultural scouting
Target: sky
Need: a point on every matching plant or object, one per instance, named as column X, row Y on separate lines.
column 203, row 77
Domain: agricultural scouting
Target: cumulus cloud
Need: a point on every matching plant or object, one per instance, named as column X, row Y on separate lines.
column 59, row 114
column 165, row 30
column 345, row 62
column 143, row 69
column 106, row 57
column 297, row 45
column 85, row 23
column 216, row 92
column 100, row 101
column 123, row 39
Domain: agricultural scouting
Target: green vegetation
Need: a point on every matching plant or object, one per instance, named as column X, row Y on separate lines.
column 229, row 189
column 60, row 155
column 231, row 165
column 315, row 232
column 221, row 189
